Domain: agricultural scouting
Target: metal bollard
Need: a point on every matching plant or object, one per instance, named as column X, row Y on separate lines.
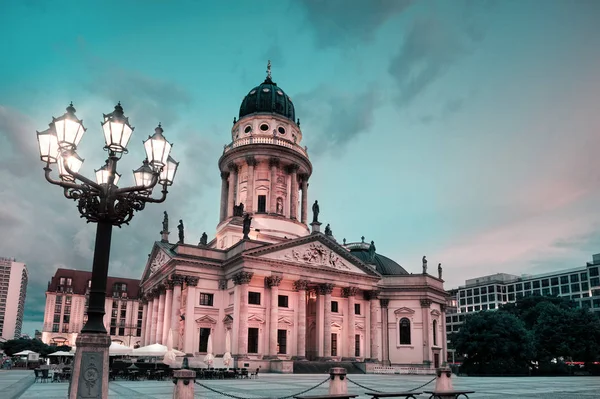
column 184, row 384
column 338, row 384
column 443, row 382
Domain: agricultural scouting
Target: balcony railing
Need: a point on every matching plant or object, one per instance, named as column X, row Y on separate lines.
column 265, row 140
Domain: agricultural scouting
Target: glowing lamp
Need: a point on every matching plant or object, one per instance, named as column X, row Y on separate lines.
column 48, row 143
column 103, row 174
column 69, row 130
column 72, row 161
column 143, row 175
column 167, row 175
column 157, row 149
column 117, row 130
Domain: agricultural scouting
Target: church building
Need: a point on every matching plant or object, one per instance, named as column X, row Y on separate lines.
column 270, row 288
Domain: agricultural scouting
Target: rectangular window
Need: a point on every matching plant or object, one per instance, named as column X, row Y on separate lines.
column 574, row 287
column 555, row 291
column 357, row 308
column 564, row 279
column 262, row 203
column 585, row 286
column 583, row 276
column 282, row 301
column 67, row 309
column 65, row 328
column 333, row 344
column 536, row 292
column 57, row 318
column 334, row 306
column 564, row 289
column 121, row 331
column 59, row 299
column 574, row 278
column 484, row 307
column 527, row 285
column 57, row 308
column 546, row 291
column 536, row 284
column 123, row 312
column 62, row 282
column 491, row 297
column 66, row 318
column 483, row 290
column 519, row 287
column 593, row 271
column 254, row 299
column 206, row 299
column 492, row 306
column 462, row 294
column 203, row 342
column 511, row 297
column 469, row 292
column 357, row 345
column 463, row 302
column 470, row 300
column 511, row 288
column 114, row 313
column 469, row 308
column 475, row 291
column 577, row 296
column 253, row 340
column 594, row 281
column 476, row 299
column 282, row 342
column 55, row 327
column 491, row 288
column 554, row 281
column 546, row 283
column 477, row 309
column 113, row 331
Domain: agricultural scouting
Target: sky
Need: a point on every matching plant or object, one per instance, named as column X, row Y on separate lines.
column 466, row 131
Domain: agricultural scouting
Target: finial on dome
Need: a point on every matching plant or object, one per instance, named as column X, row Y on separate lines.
column 269, row 70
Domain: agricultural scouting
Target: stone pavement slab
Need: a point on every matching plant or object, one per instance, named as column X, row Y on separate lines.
column 281, row 385
column 14, row 382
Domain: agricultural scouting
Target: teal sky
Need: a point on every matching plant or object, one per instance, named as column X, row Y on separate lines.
column 467, row 131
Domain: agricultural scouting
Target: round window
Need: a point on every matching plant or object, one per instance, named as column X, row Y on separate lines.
column 281, row 130
column 248, row 129
column 266, row 90
column 252, row 92
column 280, row 92
column 264, row 127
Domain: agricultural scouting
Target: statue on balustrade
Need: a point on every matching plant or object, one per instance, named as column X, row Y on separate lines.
column 372, row 251
column 165, row 223
column 315, row 209
column 440, row 271
column 424, row 265
column 328, row 231
column 204, row 239
column 238, row 210
column 180, row 228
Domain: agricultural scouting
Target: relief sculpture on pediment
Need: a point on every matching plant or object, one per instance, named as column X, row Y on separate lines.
column 159, row 260
column 316, row 254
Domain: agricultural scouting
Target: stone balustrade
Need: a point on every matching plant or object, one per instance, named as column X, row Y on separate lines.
column 265, row 140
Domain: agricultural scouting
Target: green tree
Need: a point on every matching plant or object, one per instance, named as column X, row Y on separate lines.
column 494, row 343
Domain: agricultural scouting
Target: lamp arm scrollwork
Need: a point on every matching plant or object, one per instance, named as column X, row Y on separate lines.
column 157, row 200
column 153, row 182
column 82, row 178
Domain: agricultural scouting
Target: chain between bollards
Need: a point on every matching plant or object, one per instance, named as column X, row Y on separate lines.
column 283, row 397
column 375, row 390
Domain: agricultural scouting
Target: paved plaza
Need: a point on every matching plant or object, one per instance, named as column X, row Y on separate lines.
column 281, row 385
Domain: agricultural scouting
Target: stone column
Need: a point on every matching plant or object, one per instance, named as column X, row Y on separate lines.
column 273, row 164
column 301, row 286
column 442, row 337
column 230, row 194
column 425, row 305
column 350, row 292
column 385, row 332
column 190, row 330
column 168, row 308
column 372, row 296
column 148, row 319
column 273, row 283
column 293, row 171
column 144, row 317
column 161, row 314
column 242, row 279
column 224, row 198
column 326, row 290
column 154, row 317
column 304, row 209
column 177, row 280
column 251, row 161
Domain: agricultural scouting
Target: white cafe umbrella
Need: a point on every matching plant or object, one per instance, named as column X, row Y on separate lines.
column 62, row 353
column 24, row 353
column 153, row 350
column 208, row 359
column 227, row 356
column 117, row 349
column 170, row 355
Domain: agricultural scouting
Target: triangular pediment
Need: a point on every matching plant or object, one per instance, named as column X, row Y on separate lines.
column 256, row 318
column 404, row 311
column 317, row 251
column 359, row 326
column 435, row 313
column 228, row 319
column 157, row 259
column 336, row 325
column 285, row 320
column 206, row 319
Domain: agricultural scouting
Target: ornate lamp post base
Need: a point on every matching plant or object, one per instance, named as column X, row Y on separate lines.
column 90, row 368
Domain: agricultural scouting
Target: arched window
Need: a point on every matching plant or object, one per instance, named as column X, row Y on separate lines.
column 435, row 332
column 404, row 331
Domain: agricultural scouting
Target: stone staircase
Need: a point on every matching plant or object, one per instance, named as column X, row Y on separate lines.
column 317, row 367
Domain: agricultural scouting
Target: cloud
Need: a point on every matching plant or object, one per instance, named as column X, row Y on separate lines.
column 336, row 117
column 343, row 22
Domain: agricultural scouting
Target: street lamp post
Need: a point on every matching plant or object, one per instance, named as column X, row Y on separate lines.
column 104, row 203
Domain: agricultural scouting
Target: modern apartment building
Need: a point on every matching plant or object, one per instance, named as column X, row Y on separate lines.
column 66, row 308
column 13, row 290
column 581, row 284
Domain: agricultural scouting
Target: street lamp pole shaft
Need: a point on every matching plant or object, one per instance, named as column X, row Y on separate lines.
column 95, row 321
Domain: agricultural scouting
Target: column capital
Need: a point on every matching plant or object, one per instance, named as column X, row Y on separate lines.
column 301, row 285
column 223, row 284
column 371, row 295
column 384, row 303
column 293, row 168
column 169, row 284
column 325, row 288
column 232, row 167
column 192, row 281
column 177, row 279
column 349, row 291
column 273, row 162
column 149, row 296
column 242, row 278
column 273, row 281
column 251, row 161
column 425, row 303
column 224, row 175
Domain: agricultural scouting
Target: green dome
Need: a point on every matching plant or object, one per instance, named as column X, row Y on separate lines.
column 384, row 265
column 267, row 98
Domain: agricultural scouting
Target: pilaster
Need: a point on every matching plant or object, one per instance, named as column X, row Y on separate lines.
column 155, row 295
column 350, row 292
column 273, row 283
column 231, row 185
column 188, row 344
column 304, row 208
column 161, row 314
column 177, row 280
column 425, row 305
column 326, row 290
column 241, row 280
column 274, row 165
column 293, row 171
column 372, row 296
column 385, row 332
column 251, row 161
column 167, row 312
column 301, row 286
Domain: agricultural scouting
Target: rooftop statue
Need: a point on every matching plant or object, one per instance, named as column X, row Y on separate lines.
column 180, row 228
column 424, row 264
column 440, row 271
column 372, row 251
column 315, row 209
column 165, row 223
column 246, row 226
column 204, row 239
column 328, row 231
